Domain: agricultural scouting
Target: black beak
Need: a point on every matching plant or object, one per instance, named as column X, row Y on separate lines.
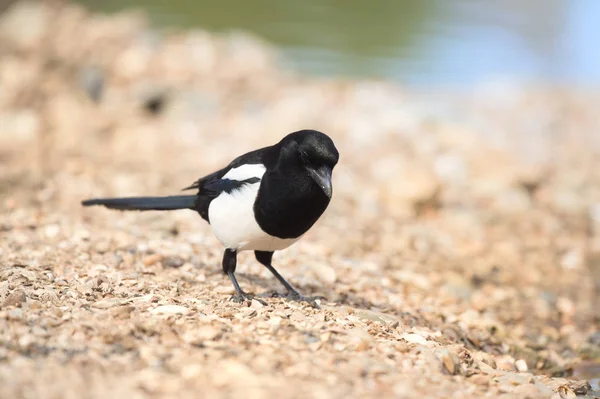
column 322, row 176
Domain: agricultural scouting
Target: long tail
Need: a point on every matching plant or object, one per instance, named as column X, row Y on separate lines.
column 145, row 203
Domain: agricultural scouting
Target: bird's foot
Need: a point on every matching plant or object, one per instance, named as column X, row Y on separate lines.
column 241, row 297
column 311, row 300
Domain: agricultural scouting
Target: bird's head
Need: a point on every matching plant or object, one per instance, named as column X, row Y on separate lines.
column 315, row 153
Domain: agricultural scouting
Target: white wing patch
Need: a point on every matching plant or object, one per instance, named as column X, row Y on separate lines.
column 232, row 218
column 246, row 172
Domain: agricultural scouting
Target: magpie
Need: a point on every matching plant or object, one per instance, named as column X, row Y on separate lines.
column 263, row 201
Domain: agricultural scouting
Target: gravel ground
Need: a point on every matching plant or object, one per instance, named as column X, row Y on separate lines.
column 459, row 258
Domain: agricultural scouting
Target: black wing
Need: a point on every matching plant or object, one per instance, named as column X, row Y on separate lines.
column 260, row 156
column 210, row 186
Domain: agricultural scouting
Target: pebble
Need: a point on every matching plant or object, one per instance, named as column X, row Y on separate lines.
column 506, row 364
column 565, row 392
column 170, row 310
column 521, row 365
column 360, row 339
column 248, row 312
column 580, row 387
column 16, row 298
column 325, row 273
column 415, row 339
column 515, row 379
column 93, row 81
column 370, row 315
column 25, row 23
column 200, row 335
column 451, row 363
column 51, row 230
column 150, row 260
column 105, row 304
column 480, row 379
column 256, row 304
column 15, row 314
column 527, row 391
column 542, row 388
column 4, row 289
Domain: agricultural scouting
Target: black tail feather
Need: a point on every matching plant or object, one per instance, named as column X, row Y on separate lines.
column 145, row 203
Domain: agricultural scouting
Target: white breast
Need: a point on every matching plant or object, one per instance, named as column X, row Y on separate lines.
column 232, row 219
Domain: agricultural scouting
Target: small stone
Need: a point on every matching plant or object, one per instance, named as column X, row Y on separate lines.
column 414, row 339
column 15, row 314
column 371, row 315
column 451, row 364
column 200, row 335
column 29, row 275
column 153, row 99
column 542, row 388
column 16, row 298
column 256, row 304
column 326, row 336
column 52, row 230
column 170, row 310
column 506, row 365
column 274, row 321
column 25, row 24
column 526, row 391
column 580, row 387
column 173, row 262
column 565, row 392
column 521, row 365
column 360, row 339
column 84, row 289
column 506, row 388
column 102, row 247
column 515, row 379
column 105, row 304
column 4, row 288
column 298, row 317
column 121, row 311
column 92, row 81
column 26, row 341
column 480, row 379
column 248, row 312
column 150, row 260
column 485, row 358
column 325, row 273
column 450, row 361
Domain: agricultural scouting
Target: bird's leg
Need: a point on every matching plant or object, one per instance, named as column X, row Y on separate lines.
column 265, row 259
column 229, row 264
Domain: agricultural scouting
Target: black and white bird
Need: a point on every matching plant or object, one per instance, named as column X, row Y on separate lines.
column 264, row 200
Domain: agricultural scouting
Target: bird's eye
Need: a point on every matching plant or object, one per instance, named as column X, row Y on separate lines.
column 304, row 156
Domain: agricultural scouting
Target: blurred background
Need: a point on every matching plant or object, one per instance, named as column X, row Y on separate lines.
column 425, row 43
column 466, row 200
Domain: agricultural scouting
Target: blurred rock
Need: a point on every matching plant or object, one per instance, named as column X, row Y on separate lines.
column 16, row 298
column 19, row 127
column 325, row 273
column 170, row 310
column 92, row 81
column 521, row 365
column 25, row 25
column 414, row 186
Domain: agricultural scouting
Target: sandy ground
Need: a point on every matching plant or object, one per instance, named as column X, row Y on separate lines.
column 460, row 256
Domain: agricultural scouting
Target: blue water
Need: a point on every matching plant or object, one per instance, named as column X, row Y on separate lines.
column 415, row 42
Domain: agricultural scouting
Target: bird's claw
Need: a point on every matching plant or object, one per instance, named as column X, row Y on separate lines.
column 312, row 301
column 241, row 297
